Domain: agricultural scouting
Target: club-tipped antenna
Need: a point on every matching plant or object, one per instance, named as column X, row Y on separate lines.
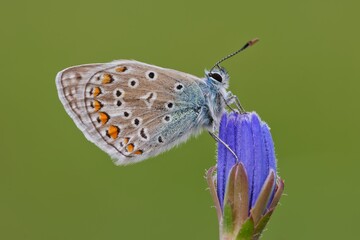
column 248, row 44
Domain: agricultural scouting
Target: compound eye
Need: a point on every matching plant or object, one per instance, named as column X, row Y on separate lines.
column 216, row 76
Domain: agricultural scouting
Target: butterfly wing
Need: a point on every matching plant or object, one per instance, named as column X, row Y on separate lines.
column 132, row 110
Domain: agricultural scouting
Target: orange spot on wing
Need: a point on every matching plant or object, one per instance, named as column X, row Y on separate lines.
column 103, row 117
column 107, row 78
column 126, row 140
column 96, row 91
column 130, row 147
column 138, row 152
column 113, row 132
column 97, row 105
column 121, row 69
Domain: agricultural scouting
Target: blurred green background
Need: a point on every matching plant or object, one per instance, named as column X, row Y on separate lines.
column 302, row 78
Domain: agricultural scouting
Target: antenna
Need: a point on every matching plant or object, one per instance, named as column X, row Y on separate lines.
column 248, row 44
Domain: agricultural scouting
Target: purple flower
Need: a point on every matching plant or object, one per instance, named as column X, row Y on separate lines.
column 244, row 184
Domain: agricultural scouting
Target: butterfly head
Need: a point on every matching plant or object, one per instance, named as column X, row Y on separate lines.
column 218, row 76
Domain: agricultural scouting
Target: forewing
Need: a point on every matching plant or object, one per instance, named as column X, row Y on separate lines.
column 129, row 109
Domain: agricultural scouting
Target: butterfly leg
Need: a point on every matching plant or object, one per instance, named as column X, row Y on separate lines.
column 229, row 101
column 234, row 99
column 222, row 142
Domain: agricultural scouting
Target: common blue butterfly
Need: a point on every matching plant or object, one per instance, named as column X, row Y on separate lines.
column 133, row 110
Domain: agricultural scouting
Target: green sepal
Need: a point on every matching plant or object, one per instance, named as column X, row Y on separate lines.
column 228, row 218
column 247, row 230
column 211, row 179
column 261, row 203
column 241, row 196
column 262, row 224
column 228, row 222
column 278, row 193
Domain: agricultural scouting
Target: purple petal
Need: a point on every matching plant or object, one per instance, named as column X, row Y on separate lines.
column 269, row 146
column 231, row 142
column 244, row 149
column 221, row 163
column 270, row 152
column 226, row 160
column 261, row 170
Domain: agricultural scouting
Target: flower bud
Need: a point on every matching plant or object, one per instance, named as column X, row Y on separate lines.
column 244, row 183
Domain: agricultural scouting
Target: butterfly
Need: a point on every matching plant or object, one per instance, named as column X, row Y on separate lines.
column 133, row 110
